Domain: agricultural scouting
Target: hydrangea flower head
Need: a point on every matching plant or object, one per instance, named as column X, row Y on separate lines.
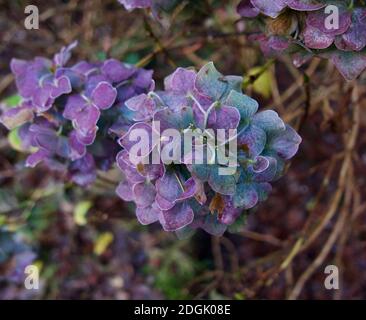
column 331, row 29
column 185, row 194
column 66, row 113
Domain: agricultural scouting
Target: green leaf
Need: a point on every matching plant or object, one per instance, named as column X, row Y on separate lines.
column 132, row 58
column 13, row 100
column 101, row 55
column 14, row 140
column 263, row 81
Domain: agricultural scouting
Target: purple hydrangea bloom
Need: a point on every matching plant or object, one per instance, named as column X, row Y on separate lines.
column 67, row 114
column 184, row 194
column 296, row 26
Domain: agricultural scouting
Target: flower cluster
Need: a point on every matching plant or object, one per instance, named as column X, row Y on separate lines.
column 160, row 9
column 184, row 195
column 331, row 29
column 66, row 114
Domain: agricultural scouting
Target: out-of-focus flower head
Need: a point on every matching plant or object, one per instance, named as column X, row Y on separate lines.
column 66, row 114
column 331, row 29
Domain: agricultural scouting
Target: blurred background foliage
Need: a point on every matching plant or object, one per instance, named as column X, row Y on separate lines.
column 88, row 243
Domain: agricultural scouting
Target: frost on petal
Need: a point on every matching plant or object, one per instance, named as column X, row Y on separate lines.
column 171, row 189
column 131, row 172
column 226, row 118
column 272, row 45
column 86, row 137
column 270, row 8
column 104, row 95
column 181, row 81
column 305, row 5
column 169, row 119
column 143, row 80
column 261, row 163
column 252, row 140
column 148, row 215
column 211, row 82
column 269, row 121
column 77, row 149
column 176, row 218
column 246, row 9
column 124, row 191
column 354, row 39
column 269, row 173
column 61, row 85
column 144, row 194
column 85, row 124
column 74, row 105
column 224, row 184
column 245, row 196
column 117, row 71
column 245, row 105
column 349, row 64
column 143, row 106
column 285, row 143
column 317, row 20
column 316, row 39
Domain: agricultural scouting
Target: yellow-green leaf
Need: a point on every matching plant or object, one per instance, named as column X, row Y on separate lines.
column 102, row 242
column 263, row 84
column 14, row 140
column 13, row 101
column 80, row 211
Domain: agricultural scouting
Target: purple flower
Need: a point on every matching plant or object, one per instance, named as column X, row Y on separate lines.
column 184, row 195
column 304, row 28
column 66, row 115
